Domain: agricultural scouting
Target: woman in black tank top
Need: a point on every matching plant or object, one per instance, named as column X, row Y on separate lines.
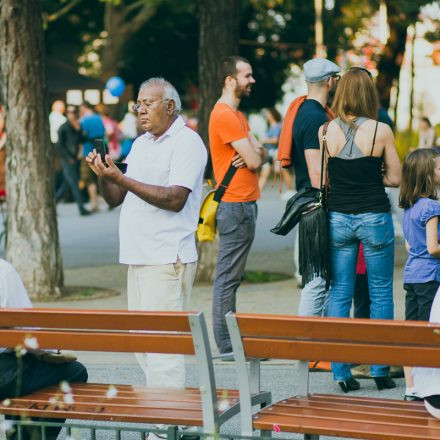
column 361, row 160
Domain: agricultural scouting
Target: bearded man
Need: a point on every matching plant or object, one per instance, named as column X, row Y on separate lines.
column 232, row 143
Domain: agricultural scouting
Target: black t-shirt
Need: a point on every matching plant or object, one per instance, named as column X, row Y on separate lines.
column 69, row 139
column 311, row 115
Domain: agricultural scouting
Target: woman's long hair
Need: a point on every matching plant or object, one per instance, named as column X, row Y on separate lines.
column 418, row 177
column 356, row 96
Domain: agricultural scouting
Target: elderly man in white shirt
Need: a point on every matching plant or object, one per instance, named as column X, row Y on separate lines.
column 160, row 196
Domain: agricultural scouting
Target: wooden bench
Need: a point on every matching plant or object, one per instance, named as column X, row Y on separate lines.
column 334, row 339
column 123, row 331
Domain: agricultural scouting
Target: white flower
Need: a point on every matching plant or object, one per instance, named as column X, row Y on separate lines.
column 7, row 402
column 68, row 398
column 111, row 392
column 65, row 387
column 223, row 405
column 31, row 342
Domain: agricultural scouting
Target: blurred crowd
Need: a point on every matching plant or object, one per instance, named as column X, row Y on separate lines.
column 73, row 131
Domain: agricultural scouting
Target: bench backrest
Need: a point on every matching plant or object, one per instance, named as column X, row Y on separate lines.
column 99, row 330
column 365, row 341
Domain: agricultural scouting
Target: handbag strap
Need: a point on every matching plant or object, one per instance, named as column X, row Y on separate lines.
column 324, row 149
column 220, row 191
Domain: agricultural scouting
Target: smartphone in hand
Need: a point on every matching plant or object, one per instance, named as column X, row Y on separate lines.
column 122, row 166
column 101, row 148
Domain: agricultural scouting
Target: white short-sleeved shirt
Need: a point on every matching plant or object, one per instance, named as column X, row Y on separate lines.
column 149, row 235
column 12, row 292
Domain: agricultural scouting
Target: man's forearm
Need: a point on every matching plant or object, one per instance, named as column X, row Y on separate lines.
column 163, row 197
column 113, row 194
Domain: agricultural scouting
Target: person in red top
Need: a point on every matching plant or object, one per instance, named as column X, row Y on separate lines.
column 230, row 141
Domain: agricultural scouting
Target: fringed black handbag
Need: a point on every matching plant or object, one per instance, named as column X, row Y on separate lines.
column 313, row 235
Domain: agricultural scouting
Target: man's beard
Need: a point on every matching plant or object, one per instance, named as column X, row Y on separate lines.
column 242, row 91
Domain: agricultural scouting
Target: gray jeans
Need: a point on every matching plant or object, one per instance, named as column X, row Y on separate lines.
column 314, row 298
column 236, row 227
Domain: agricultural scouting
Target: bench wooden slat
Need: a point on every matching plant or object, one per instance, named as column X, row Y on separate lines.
column 384, row 404
column 94, row 411
column 423, row 356
column 354, row 412
column 363, row 420
column 101, row 341
column 95, row 319
column 130, row 392
column 276, row 326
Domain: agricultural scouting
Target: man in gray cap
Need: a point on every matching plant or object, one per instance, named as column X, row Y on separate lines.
column 321, row 76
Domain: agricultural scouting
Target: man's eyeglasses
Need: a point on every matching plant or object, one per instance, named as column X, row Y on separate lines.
column 362, row 68
column 146, row 105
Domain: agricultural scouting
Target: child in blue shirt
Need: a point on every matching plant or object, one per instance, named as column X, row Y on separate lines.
column 421, row 275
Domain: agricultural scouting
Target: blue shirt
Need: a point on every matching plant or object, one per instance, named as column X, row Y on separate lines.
column 311, row 115
column 273, row 132
column 421, row 266
column 92, row 128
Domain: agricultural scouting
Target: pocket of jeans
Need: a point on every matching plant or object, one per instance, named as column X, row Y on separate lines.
column 338, row 232
column 229, row 216
column 378, row 230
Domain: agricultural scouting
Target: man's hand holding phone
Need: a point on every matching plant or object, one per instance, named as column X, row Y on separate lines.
column 105, row 170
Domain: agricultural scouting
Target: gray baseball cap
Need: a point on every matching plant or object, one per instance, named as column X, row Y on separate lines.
column 319, row 69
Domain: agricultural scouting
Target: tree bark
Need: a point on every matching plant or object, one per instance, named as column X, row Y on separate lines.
column 32, row 241
column 218, row 38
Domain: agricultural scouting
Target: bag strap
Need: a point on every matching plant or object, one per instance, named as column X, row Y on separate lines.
column 220, row 191
column 324, row 148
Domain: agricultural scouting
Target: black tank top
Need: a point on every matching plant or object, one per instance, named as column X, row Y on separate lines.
column 355, row 180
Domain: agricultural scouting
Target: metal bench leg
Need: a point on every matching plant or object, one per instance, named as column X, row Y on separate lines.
column 266, row 434
column 311, row 437
column 172, row 433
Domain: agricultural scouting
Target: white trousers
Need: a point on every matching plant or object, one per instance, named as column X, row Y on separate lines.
column 164, row 287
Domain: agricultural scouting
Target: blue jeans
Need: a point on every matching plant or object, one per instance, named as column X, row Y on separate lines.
column 236, row 227
column 375, row 231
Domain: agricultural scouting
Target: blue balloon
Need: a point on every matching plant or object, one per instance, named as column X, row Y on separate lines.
column 115, row 85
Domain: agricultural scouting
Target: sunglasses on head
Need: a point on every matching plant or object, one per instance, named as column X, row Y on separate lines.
column 362, row 68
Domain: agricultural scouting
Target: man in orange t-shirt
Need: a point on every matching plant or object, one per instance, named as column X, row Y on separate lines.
column 231, row 142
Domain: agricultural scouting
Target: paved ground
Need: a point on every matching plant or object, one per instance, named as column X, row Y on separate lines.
column 89, row 246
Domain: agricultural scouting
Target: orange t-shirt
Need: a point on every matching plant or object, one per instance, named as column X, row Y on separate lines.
column 227, row 125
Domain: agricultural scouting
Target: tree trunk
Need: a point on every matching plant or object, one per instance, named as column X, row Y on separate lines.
column 121, row 22
column 218, row 38
column 114, row 17
column 32, row 243
column 391, row 59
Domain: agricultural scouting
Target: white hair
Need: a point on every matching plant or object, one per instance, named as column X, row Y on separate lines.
column 169, row 91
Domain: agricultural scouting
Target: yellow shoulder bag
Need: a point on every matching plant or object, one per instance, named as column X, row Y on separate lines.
column 208, row 210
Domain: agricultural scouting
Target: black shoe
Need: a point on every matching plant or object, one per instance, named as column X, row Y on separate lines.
column 349, row 385
column 84, row 212
column 384, row 382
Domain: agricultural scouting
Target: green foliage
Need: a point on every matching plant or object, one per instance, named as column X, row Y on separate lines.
column 165, row 46
column 404, row 141
column 259, row 276
column 66, row 36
